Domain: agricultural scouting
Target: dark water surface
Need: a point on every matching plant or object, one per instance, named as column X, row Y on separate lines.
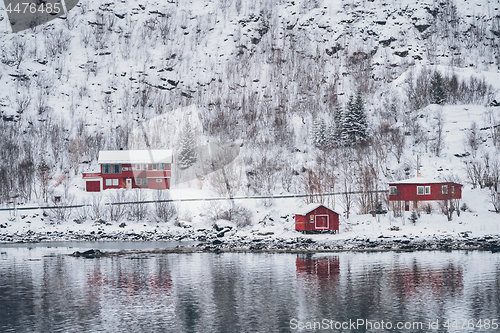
column 44, row 290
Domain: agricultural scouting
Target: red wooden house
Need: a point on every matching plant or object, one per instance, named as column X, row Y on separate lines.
column 317, row 218
column 131, row 169
column 423, row 189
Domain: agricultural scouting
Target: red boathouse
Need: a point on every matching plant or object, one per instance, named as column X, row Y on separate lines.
column 423, row 189
column 130, row 169
column 317, row 218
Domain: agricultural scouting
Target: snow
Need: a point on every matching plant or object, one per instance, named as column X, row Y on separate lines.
column 308, row 208
column 135, row 156
column 418, row 180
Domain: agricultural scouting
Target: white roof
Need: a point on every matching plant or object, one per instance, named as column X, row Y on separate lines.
column 310, row 207
column 135, row 156
column 420, row 180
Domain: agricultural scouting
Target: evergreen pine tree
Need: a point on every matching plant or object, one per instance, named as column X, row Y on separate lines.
column 337, row 124
column 313, row 130
column 361, row 117
column 187, row 155
column 437, row 89
column 355, row 123
column 319, row 135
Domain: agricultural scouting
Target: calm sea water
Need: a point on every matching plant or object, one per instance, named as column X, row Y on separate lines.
column 42, row 289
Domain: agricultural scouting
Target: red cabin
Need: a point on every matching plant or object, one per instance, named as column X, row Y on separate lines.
column 131, row 169
column 317, row 218
column 423, row 189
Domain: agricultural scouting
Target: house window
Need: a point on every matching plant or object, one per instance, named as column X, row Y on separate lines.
column 138, row 181
column 420, row 190
column 444, row 189
column 115, row 182
column 138, row 167
column 108, row 182
column 117, row 168
column 167, row 166
column 124, row 169
column 144, row 167
column 453, row 189
column 158, row 180
column 131, row 168
column 155, row 166
column 144, row 181
column 427, row 190
column 162, row 166
column 106, row 168
column 393, row 190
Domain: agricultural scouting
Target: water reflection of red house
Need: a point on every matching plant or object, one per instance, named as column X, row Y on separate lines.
column 436, row 281
column 324, row 268
column 132, row 283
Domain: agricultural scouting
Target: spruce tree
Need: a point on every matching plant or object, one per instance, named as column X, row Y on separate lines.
column 437, row 89
column 338, row 115
column 319, row 134
column 355, row 123
column 187, row 155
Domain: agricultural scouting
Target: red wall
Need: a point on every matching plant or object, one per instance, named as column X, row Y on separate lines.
column 302, row 222
column 408, row 192
column 163, row 185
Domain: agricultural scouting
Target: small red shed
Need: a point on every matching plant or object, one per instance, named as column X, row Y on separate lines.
column 423, row 189
column 317, row 218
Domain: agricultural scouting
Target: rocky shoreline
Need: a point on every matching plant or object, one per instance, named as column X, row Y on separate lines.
column 219, row 242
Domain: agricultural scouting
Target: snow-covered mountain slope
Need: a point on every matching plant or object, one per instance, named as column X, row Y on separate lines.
column 259, row 73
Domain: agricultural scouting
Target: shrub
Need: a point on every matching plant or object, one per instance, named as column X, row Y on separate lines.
column 427, row 208
column 240, row 215
column 414, row 217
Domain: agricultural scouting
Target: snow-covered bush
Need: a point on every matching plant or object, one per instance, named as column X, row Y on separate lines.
column 164, row 209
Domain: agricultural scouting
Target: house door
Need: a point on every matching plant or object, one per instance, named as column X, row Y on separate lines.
column 321, row 222
column 128, row 183
column 407, row 206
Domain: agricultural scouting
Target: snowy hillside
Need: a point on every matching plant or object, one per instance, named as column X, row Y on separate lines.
column 268, row 75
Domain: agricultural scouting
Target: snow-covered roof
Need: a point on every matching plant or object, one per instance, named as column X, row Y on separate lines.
column 419, row 180
column 310, row 207
column 135, row 156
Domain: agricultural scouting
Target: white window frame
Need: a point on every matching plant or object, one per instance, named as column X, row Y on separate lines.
column 420, row 190
column 162, row 166
column 106, row 168
column 138, row 181
column 115, row 182
column 124, row 169
column 327, row 222
column 155, row 167
column 453, row 189
column 158, row 180
column 108, row 182
column 116, row 167
column 393, row 190
column 429, row 190
column 444, row 189
column 145, row 181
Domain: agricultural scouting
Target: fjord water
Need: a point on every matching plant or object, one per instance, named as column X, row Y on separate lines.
column 42, row 289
